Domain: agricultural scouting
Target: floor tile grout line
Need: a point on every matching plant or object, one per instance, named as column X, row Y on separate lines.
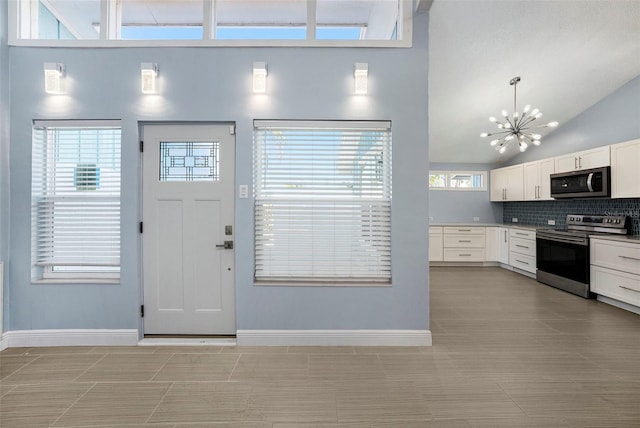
column 234, row 367
column 21, row 367
column 89, row 368
column 171, row 355
column 73, row 404
column 155, row 409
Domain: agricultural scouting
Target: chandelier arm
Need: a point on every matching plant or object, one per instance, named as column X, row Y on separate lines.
column 498, row 133
column 529, row 120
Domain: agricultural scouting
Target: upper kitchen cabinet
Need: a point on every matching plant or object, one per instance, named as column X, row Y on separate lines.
column 537, row 180
column 507, row 184
column 625, row 170
column 587, row 159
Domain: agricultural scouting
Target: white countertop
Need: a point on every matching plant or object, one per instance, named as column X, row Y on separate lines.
column 634, row 239
column 478, row 224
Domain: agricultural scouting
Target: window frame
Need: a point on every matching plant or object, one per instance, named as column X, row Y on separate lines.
column 20, row 26
column 47, row 273
column 267, row 202
column 449, row 174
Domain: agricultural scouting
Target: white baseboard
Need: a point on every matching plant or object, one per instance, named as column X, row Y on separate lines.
column 333, row 337
column 89, row 337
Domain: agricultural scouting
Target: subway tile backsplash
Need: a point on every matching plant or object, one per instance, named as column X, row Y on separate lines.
column 536, row 213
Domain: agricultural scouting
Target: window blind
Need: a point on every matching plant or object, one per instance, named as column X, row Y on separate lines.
column 322, row 201
column 75, row 198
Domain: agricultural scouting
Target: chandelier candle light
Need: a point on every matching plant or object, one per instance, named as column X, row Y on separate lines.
column 517, row 127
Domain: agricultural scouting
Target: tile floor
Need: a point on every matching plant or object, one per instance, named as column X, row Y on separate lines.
column 508, row 352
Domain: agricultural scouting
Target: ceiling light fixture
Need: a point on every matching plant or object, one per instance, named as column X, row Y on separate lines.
column 516, row 127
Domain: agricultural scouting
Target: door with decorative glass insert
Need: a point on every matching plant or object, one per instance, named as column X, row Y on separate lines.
column 187, row 240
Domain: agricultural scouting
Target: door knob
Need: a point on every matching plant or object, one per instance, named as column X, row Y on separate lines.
column 228, row 245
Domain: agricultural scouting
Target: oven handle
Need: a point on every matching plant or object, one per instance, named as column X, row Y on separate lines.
column 578, row 241
column 589, row 179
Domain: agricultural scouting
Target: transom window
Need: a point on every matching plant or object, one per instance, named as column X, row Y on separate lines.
column 322, row 201
column 458, row 180
column 75, row 200
column 211, row 22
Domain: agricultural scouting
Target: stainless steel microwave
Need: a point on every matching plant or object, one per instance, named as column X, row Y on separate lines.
column 586, row 183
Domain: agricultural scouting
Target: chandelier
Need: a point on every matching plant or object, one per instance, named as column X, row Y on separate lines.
column 516, row 127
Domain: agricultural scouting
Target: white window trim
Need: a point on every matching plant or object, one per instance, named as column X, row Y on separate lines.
column 107, row 36
column 49, row 276
column 448, row 175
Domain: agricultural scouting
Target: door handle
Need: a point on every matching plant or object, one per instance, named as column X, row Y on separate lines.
column 228, row 245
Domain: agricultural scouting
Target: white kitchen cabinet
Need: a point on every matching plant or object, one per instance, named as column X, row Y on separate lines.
column 507, row 184
column 615, row 270
column 625, row 170
column 522, row 249
column 586, row 159
column 497, row 245
column 537, row 181
column 464, row 244
column 435, row 244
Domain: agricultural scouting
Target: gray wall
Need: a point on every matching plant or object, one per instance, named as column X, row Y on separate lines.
column 463, row 206
column 4, row 152
column 614, row 119
column 214, row 84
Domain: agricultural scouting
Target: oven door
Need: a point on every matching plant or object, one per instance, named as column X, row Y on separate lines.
column 564, row 256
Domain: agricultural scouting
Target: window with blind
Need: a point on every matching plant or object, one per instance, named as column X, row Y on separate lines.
column 75, row 200
column 322, row 201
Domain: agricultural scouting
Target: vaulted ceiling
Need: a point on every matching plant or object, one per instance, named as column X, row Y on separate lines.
column 569, row 54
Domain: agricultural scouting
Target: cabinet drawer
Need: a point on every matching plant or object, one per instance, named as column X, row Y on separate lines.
column 463, row 255
column 435, row 230
column 464, row 241
column 617, row 285
column 523, row 246
column 616, row 255
column 522, row 261
column 461, row 230
column 522, row 233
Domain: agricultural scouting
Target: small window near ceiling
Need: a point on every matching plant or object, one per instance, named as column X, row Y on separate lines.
column 458, row 180
column 162, row 19
column 261, row 20
column 75, row 200
column 64, row 20
column 357, row 19
column 322, row 202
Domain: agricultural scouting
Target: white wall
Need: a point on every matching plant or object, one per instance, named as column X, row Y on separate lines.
column 4, row 150
column 214, row 84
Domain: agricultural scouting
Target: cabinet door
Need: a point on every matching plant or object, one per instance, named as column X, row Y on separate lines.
column 503, row 245
column 625, row 170
column 594, row 158
column 545, row 169
column 515, row 183
column 492, row 241
column 498, row 184
column 531, row 181
column 566, row 163
column 435, row 247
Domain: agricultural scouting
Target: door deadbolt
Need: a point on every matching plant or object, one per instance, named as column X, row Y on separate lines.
column 228, row 245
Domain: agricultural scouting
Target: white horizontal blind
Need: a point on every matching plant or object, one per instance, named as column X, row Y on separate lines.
column 75, row 198
column 322, row 201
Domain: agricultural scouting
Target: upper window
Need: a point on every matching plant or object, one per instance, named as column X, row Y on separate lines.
column 211, row 22
column 322, row 201
column 75, row 200
column 458, row 180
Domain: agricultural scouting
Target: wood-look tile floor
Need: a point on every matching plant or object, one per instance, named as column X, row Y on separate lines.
column 508, row 352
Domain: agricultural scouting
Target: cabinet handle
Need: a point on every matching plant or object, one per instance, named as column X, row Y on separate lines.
column 521, row 234
column 628, row 288
column 522, row 246
column 465, row 240
column 629, row 258
column 520, row 261
column 575, row 162
column 464, row 255
column 505, row 236
column 464, row 230
column 580, row 161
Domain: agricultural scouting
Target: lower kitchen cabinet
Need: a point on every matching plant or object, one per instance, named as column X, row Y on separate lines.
column 464, row 244
column 522, row 249
column 615, row 270
column 435, row 244
column 497, row 245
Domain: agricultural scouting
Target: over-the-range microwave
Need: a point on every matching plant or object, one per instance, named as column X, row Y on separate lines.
column 586, row 183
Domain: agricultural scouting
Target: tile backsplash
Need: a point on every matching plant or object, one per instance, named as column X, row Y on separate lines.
column 536, row 213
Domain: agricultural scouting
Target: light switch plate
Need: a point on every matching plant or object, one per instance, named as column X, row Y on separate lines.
column 514, row 219
column 476, row 219
column 243, row 191
column 551, row 222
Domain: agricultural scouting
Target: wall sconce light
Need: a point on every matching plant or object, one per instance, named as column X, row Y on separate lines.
column 259, row 77
column 53, row 74
column 360, row 73
column 149, row 78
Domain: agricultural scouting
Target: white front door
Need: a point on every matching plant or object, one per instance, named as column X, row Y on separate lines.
column 187, row 212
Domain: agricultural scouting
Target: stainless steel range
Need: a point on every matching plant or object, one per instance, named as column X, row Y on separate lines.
column 563, row 254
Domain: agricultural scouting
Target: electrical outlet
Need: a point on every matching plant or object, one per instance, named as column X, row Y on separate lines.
column 514, row 219
column 551, row 222
column 430, row 218
column 476, row 219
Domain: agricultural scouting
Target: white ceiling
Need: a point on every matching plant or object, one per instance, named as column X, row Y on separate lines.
column 569, row 54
